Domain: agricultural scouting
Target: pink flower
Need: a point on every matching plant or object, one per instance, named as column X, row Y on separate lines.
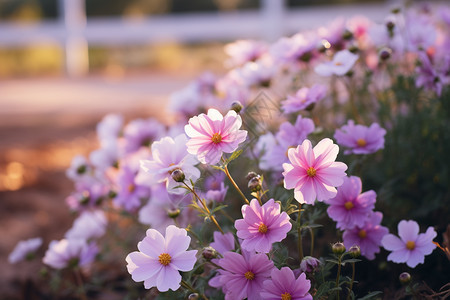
column 304, row 98
column 24, row 250
column 159, row 259
column 411, row 247
column 90, row 224
column 243, row 51
column 262, row 226
column 212, row 134
column 70, row 253
column 350, row 208
column 283, row 285
column 342, row 62
column 223, row 242
column 242, row 276
column 361, row 139
column 313, row 173
column 368, row 236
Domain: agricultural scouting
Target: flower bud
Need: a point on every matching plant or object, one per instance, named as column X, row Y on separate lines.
column 255, row 184
column 390, row 25
column 236, row 106
column 404, row 278
column 396, row 10
column 178, row 175
column 385, row 53
column 353, row 49
column 355, row 251
column 309, row 264
column 173, row 213
column 338, row 248
column 250, row 175
column 209, row 253
column 193, row 296
column 347, row 35
column 81, row 169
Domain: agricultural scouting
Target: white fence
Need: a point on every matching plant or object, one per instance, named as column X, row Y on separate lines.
column 75, row 32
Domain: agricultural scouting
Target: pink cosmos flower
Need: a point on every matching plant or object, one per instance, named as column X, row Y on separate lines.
column 70, row 253
column 129, row 194
column 411, row 247
column 361, row 139
column 368, row 236
column 160, row 259
column 262, row 226
column 342, row 62
column 242, row 276
column 223, row 242
column 141, row 133
column 304, row 98
column 283, row 285
column 243, row 51
column 313, row 173
column 212, row 134
column 350, row 208
column 24, row 250
column 90, row 224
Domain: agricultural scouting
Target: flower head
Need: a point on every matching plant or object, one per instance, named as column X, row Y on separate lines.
column 411, row 247
column 360, row 139
column 212, row 134
column 160, row 259
column 304, row 98
column 262, row 226
column 129, row 194
column 350, row 208
column 90, row 224
column 283, row 285
column 342, row 62
column 313, row 173
column 70, row 253
column 24, row 249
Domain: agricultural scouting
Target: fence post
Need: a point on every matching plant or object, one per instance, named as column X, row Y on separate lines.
column 272, row 14
column 73, row 17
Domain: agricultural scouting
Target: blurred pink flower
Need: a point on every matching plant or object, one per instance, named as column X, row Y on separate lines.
column 70, row 253
column 313, row 173
column 243, row 51
column 160, row 259
column 361, row 139
column 262, row 226
column 223, row 242
column 350, row 208
column 90, row 224
column 411, row 247
column 368, row 236
column 342, row 62
column 24, row 249
column 304, row 98
column 212, row 134
column 283, row 285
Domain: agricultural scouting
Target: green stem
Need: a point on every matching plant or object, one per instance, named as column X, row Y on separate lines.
column 311, row 231
column 79, row 280
column 190, row 288
column 225, row 169
column 299, row 233
column 353, row 280
column 338, row 275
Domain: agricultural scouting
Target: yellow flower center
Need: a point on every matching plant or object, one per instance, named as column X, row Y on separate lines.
column 361, row 142
column 410, row 245
column 338, row 63
column 249, row 275
column 286, row 296
column 131, row 188
column 262, row 228
column 164, row 259
column 362, row 234
column 216, row 138
column 348, row 205
column 311, row 172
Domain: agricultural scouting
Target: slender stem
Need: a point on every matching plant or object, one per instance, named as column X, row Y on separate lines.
column 225, row 169
column 311, row 231
column 353, row 280
column 190, row 288
column 299, row 233
column 202, row 201
column 79, row 280
column 338, row 274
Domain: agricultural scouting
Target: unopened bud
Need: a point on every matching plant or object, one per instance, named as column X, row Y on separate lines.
column 255, row 184
column 209, row 253
column 178, row 175
column 250, row 175
column 173, row 213
column 193, row 296
column 355, row 251
column 396, row 10
column 353, row 49
column 390, row 25
column 404, row 278
column 338, row 248
column 385, row 53
column 309, row 264
column 236, row 106
column 348, row 35
column 81, row 169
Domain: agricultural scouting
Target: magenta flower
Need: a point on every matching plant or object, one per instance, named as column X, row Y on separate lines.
column 313, row 173
column 160, row 259
column 242, row 276
column 129, row 194
column 212, row 134
column 342, row 62
column 70, row 253
column 368, row 236
column 283, row 285
column 243, row 51
column 304, row 98
column 361, row 139
column 24, row 249
column 141, row 133
column 262, row 226
column 223, row 242
column 411, row 247
column 350, row 208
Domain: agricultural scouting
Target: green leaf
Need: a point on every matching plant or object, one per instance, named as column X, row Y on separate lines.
column 220, row 207
column 351, row 260
column 233, row 156
column 371, row 295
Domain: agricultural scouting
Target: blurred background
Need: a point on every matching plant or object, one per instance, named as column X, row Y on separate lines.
column 66, row 63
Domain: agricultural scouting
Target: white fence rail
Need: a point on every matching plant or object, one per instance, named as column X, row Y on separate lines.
column 74, row 32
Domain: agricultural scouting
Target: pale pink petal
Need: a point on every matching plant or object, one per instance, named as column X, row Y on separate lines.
column 392, row 243
column 184, row 261
column 168, row 278
column 408, row 230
